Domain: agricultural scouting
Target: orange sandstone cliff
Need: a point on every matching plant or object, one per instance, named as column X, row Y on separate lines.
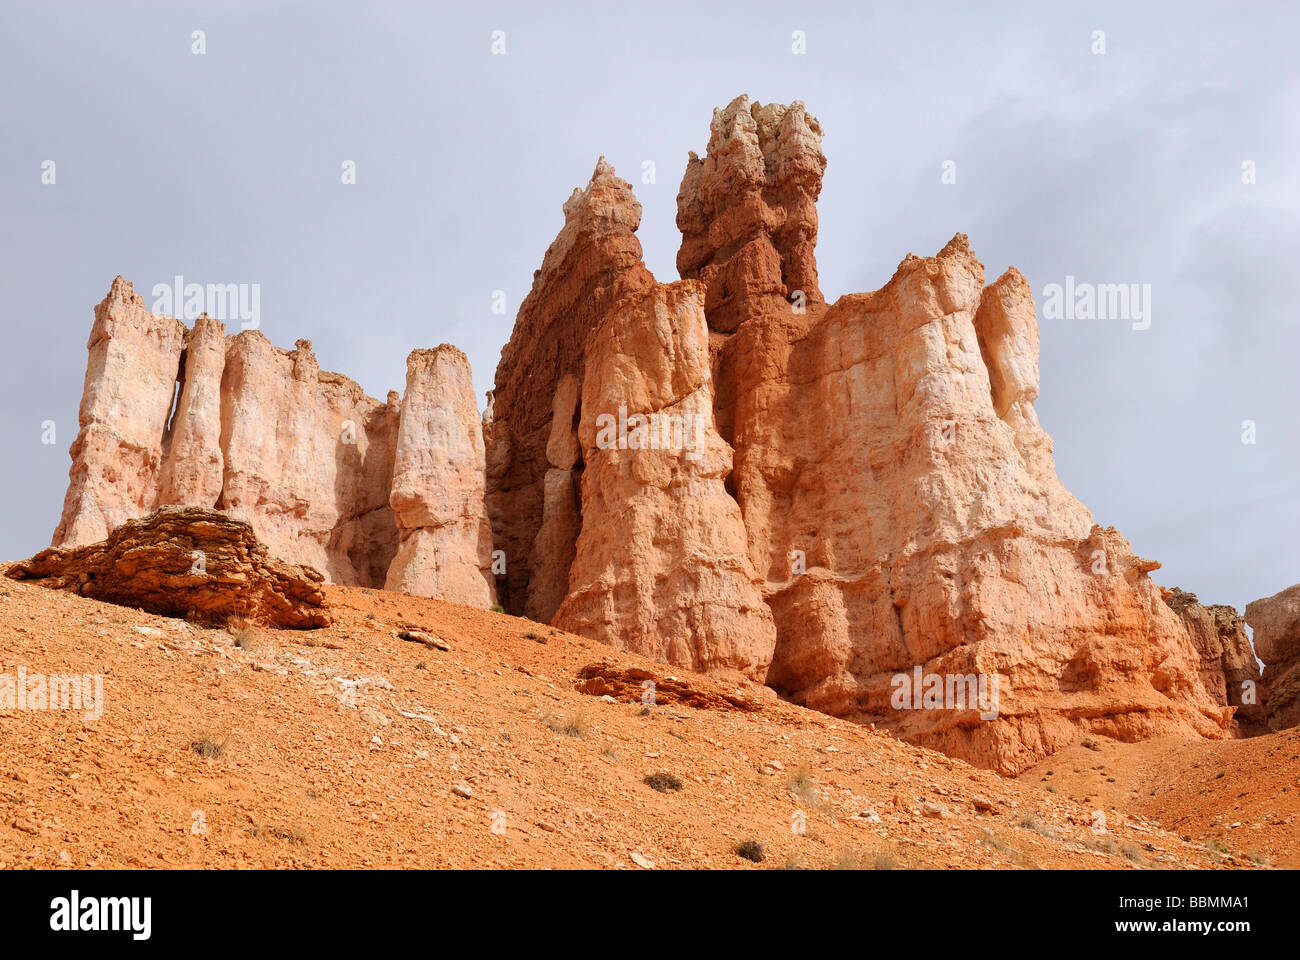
column 852, row 502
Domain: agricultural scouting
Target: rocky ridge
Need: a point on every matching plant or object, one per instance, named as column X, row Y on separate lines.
column 172, row 415
column 897, row 496
column 852, row 502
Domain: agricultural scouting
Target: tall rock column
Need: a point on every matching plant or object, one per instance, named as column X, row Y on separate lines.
column 748, row 213
column 126, row 406
column 192, row 473
column 899, row 496
column 593, row 263
column 661, row 565
column 445, row 543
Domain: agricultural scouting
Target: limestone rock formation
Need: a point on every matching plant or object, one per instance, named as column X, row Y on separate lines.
column 748, row 213
column 194, row 469
column 638, row 547
column 556, row 542
column 591, row 265
column 308, row 459
column 118, row 454
column 900, row 509
column 185, row 562
column 853, row 502
column 1275, row 621
column 660, row 566
column 1229, row 671
column 198, row 418
column 445, row 547
column 932, row 533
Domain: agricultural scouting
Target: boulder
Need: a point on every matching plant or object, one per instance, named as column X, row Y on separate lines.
column 185, row 562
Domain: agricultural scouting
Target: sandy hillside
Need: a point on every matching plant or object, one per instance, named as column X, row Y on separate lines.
column 1235, row 796
column 348, row 747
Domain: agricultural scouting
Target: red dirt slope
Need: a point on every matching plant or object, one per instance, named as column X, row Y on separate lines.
column 350, row 747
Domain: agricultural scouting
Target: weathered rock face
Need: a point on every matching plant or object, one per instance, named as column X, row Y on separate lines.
column 661, row 565
column 594, row 262
column 194, row 469
column 125, row 404
column 1229, row 671
column 748, row 212
column 445, row 547
column 853, row 502
column 1275, row 621
column 640, row 547
column 308, row 460
column 186, row 562
column 198, row 418
column 898, row 498
column 927, row 530
column 557, row 538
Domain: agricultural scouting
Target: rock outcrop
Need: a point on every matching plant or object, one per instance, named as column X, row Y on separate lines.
column 853, row 502
column 193, row 417
column 899, row 507
column 126, row 402
column 1275, row 622
column 606, row 472
column 905, row 516
column 1229, row 671
column 748, row 213
column 194, row 469
column 185, row 562
column 445, row 543
column 660, row 566
column 308, row 459
column 593, row 263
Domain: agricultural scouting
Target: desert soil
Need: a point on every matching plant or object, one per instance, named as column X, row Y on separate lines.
column 351, row 747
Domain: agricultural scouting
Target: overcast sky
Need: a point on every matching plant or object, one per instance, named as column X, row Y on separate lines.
column 1117, row 167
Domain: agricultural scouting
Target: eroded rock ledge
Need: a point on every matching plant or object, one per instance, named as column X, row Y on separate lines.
column 186, row 562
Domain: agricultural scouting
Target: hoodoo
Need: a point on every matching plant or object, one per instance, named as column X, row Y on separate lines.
column 725, row 472
column 875, row 493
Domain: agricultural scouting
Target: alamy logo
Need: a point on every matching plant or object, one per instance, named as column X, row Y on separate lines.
column 221, row 301
column 651, row 431
column 946, row 691
column 73, row 913
column 1098, row 301
column 36, row 691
